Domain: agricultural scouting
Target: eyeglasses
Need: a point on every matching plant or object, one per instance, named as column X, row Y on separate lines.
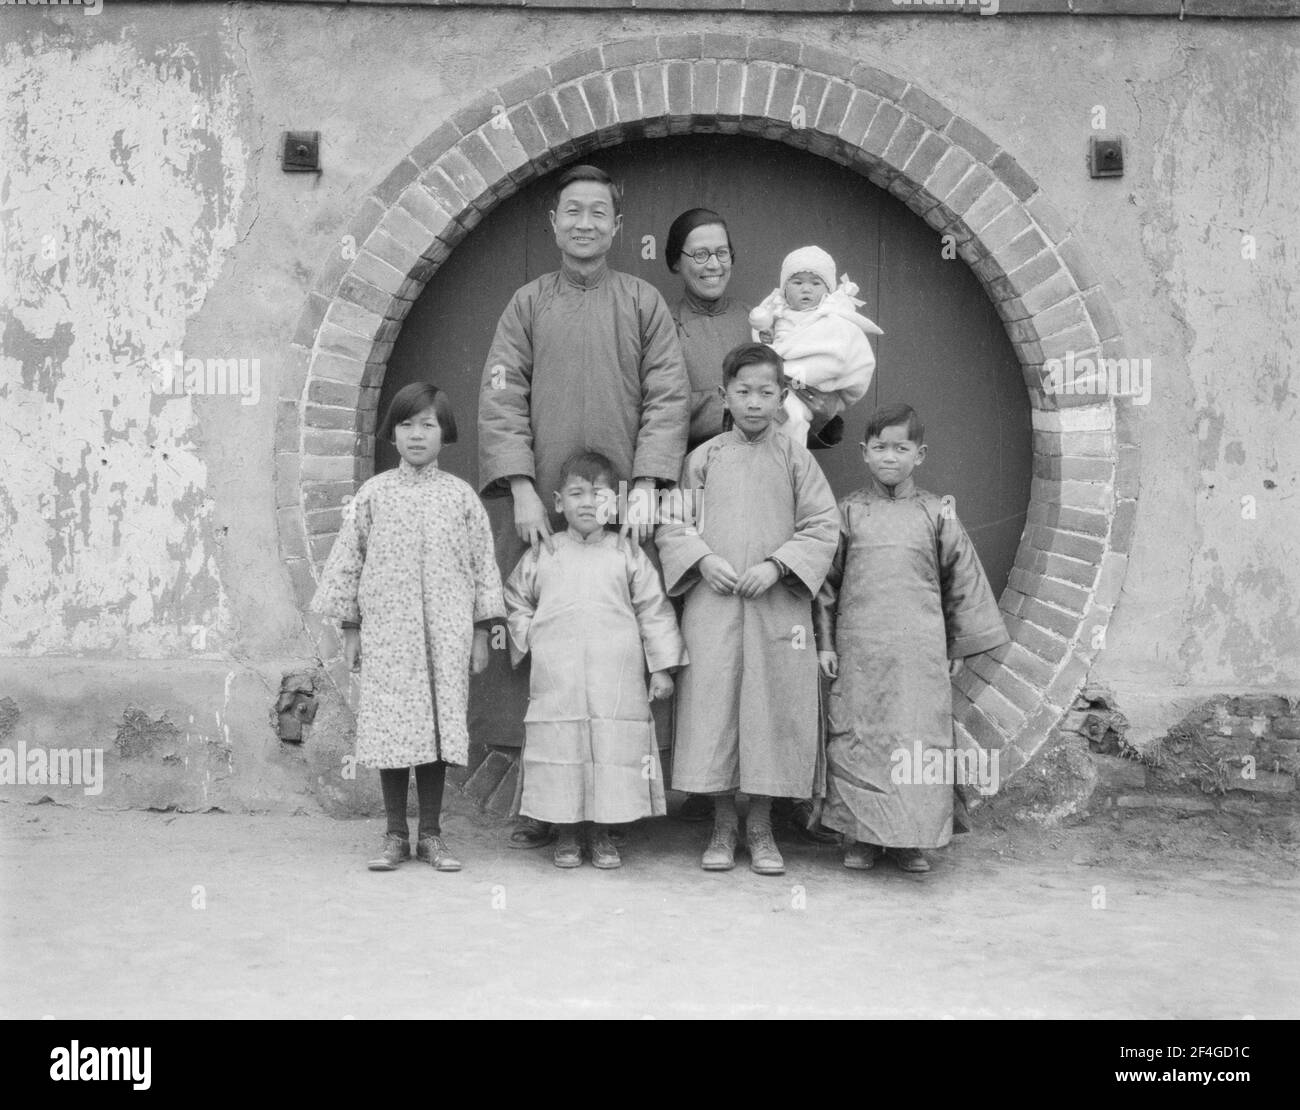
column 701, row 256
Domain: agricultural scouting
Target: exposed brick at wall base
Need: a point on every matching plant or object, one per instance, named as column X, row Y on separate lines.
column 1245, row 744
column 1213, row 762
column 961, row 182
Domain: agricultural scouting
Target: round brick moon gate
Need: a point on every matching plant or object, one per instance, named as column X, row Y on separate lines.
column 1074, row 551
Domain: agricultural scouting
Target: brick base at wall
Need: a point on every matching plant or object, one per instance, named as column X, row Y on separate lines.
column 1236, row 754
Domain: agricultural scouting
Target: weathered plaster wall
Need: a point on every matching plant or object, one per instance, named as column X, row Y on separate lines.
column 145, row 213
column 124, row 169
column 1211, row 602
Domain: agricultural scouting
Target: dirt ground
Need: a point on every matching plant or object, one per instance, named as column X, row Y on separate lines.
column 165, row 915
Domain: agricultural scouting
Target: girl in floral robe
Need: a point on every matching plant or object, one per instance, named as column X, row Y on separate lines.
column 411, row 575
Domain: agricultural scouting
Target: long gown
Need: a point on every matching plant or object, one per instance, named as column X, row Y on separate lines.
column 413, row 563
column 595, row 618
column 576, row 364
column 582, row 363
column 708, row 330
column 747, row 714
column 905, row 593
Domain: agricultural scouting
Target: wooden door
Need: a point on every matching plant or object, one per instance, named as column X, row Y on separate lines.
column 944, row 350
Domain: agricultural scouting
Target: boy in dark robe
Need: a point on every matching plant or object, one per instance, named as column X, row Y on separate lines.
column 905, row 594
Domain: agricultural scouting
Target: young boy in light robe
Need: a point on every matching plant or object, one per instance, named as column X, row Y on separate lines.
column 594, row 617
column 748, row 547
column 813, row 323
column 905, row 595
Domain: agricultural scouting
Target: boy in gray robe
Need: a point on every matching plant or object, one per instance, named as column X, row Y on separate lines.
column 905, row 594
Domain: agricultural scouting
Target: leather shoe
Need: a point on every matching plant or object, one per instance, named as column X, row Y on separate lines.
column 531, row 833
column 568, row 852
column 396, row 849
column 433, row 849
column 860, row 856
column 764, row 855
column 911, row 860
column 603, row 852
column 720, row 855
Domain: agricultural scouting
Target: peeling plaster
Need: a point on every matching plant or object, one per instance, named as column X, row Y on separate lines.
column 123, row 171
column 1215, row 234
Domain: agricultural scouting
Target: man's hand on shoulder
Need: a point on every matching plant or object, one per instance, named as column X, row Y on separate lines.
column 531, row 522
column 639, row 522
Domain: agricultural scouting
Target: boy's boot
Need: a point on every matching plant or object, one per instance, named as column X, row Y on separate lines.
column 764, row 855
column 805, row 828
column 910, row 859
column 531, row 833
column 859, row 855
column 604, row 854
column 720, row 855
column 568, row 852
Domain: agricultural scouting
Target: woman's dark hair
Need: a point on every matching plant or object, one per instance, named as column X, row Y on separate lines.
column 415, row 398
column 590, row 466
column 588, row 173
column 889, row 416
column 681, row 230
column 751, row 354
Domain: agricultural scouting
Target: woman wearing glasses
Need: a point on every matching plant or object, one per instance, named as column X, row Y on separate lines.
column 709, row 323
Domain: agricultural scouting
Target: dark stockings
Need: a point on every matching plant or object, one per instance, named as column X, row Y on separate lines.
column 430, row 778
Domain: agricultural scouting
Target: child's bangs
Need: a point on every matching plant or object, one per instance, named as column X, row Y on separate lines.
column 413, row 399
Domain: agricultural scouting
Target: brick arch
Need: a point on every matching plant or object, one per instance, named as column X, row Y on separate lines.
column 1074, row 551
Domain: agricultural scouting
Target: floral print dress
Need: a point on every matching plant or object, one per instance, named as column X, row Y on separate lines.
column 413, row 562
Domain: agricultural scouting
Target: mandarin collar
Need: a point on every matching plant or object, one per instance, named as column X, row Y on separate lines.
column 901, row 492
column 583, row 281
column 762, row 437
column 701, row 307
column 408, row 473
column 594, row 540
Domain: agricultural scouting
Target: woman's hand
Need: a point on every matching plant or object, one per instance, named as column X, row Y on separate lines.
column 954, row 667
column 478, row 652
column 352, row 648
column 718, row 574
column 760, row 578
column 829, row 662
column 661, row 686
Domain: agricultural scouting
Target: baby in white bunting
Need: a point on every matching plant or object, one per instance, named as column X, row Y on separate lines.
column 813, row 322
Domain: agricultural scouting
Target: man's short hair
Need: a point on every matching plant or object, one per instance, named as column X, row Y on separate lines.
column 588, row 173
column 889, row 416
column 413, row 399
column 751, row 354
column 590, row 466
